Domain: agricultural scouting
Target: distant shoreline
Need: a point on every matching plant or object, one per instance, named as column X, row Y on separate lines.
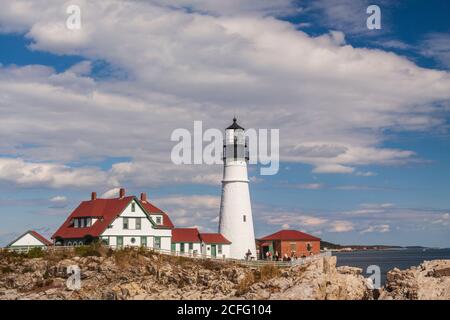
column 328, row 246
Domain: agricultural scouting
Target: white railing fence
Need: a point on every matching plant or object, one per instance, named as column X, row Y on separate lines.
column 190, row 254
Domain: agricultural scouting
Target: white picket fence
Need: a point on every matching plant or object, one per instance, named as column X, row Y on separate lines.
column 193, row 255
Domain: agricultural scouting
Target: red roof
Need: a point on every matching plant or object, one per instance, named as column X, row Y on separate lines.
column 185, row 235
column 151, row 209
column 290, row 235
column 41, row 238
column 36, row 235
column 106, row 210
column 214, row 238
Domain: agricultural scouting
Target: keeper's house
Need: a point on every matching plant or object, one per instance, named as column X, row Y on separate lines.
column 30, row 239
column 129, row 221
column 122, row 221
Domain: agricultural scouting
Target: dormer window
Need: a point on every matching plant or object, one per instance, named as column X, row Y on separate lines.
column 82, row 222
column 158, row 220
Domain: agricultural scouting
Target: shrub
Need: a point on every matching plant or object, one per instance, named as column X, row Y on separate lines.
column 6, row 269
column 95, row 249
column 35, row 253
column 122, row 257
column 211, row 264
column 268, row 272
column 245, row 284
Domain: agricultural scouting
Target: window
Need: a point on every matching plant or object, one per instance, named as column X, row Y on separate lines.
column 293, row 246
column 119, row 241
column 158, row 220
column 125, row 223
column 219, row 249
column 133, row 240
column 182, row 247
column 244, row 217
column 138, row 223
column 133, row 207
column 191, row 246
column 143, row 241
column 309, row 247
column 157, row 243
column 105, row 241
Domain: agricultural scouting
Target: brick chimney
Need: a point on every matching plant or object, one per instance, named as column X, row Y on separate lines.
column 143, row 197
column 122, row 193
column 94, row 196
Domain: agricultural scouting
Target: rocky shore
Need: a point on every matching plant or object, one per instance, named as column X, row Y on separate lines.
column 129, row 274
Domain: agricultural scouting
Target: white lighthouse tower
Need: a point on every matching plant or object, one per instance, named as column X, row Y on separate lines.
column 236, row 221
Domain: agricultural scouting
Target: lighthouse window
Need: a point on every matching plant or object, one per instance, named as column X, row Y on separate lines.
column 244, row 217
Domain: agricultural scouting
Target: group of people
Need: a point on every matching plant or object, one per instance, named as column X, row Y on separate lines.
column 276, row 256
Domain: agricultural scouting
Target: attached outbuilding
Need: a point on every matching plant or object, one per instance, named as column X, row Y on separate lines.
column 215, row 245
column 186, row 240
column 30, row 239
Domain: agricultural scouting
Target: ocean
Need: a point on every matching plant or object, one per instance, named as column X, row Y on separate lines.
column 389, row 259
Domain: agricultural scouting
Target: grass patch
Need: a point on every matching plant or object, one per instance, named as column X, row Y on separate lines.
column 245, row 284
column 95, row 249
column 268, row 272
column 35, row 253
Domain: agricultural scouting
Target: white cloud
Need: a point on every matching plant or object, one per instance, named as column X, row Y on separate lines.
column 348, row 96
column 111, row 193
column 58, row 199
column 342, row 226
column 295, row 220
column 365, row 173
column 285, row 226
column 382, row 228
column 437, row 46
column 27, row 174
column 185, row 211
column 310, row 186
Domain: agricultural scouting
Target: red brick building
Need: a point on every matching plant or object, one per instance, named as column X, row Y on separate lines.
column 290, row 243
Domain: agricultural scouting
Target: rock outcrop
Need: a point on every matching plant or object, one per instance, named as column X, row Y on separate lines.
column 137, row 275
column 130, row 274
column 429, row 281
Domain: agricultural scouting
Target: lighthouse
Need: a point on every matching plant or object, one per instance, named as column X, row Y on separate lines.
column 236, row 220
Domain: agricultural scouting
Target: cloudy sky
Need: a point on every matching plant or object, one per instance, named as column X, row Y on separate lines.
column 363, row 114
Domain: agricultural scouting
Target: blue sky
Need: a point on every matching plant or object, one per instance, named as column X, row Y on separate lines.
column 363, row 114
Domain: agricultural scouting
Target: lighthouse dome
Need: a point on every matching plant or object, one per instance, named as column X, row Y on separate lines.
column 235, row 125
